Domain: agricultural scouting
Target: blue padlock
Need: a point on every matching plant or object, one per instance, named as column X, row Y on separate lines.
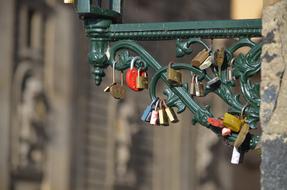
column 147, row 112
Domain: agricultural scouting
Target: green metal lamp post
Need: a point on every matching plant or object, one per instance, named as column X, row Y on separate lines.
column 110, row 38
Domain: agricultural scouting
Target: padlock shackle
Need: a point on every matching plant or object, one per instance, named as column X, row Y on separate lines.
column 114, row 65
column 157, row 104
column 164, row 104
column 232, row 61
column 133, row 61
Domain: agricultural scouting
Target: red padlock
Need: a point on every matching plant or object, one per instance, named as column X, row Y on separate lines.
column 215, row 122
column 132, row 74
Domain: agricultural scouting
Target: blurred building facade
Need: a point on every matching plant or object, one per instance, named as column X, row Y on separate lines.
column 58, row 131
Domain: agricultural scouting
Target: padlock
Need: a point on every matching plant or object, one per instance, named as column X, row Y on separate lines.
column 244, row 128
column 219, row 57
column 200, row 58
column 241, row 135
column 214, row 83
column 192, row 85
column 163, row 118
column 235, row 158
column 154, row 114
column 118, row 91
column 108, row 88
column 132, row 75
column 226, row 132
column 230, row 75
column 142, row 81
column 206, row 64
column 215, row 122
column 146, row 116
column 199, row 88
column 173, row 76
column 68, row 1
column 170, row 113
column 232, row 122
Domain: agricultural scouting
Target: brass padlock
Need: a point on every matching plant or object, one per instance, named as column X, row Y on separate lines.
column 163, row 118
column 192, row 85
column 173, row 76
column 68, row 1
column 142, row 81
column 170, row 113
column 232, row 122
column 207, row 63
column 199, row 88
column 241, row 135
column 219, row 57
column 118, row 91
column 200, row 58
column 108, row 88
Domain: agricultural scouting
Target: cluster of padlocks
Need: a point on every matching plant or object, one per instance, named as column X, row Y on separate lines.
column 233, row 124
column 158, row 113
column 136, row 80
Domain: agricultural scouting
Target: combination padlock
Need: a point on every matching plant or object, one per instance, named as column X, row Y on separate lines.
column 174, row 77
column 200, row 58
column 146, row 116
column 132, row 75
column 142, row 80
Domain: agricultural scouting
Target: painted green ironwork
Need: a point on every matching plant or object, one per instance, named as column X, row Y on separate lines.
column 111, row 40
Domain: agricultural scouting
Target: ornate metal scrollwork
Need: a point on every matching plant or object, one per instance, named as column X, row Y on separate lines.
column 112, row 42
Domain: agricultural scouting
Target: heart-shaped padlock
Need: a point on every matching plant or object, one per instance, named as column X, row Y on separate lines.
column 132, row 74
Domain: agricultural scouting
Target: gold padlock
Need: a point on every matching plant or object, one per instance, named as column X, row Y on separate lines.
column 163, row 118
column 232, row 122
column 241, row 135
column 173, row 76
column 200, row 58
column 219, row 57
column 142, row 81
column 68, row 1
column 117, row 90
column 170, row 113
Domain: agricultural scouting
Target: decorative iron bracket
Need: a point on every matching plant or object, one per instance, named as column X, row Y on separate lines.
column 112, row 41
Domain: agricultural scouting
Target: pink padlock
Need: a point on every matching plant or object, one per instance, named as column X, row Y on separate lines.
column 226, row 132
column 154, row 114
